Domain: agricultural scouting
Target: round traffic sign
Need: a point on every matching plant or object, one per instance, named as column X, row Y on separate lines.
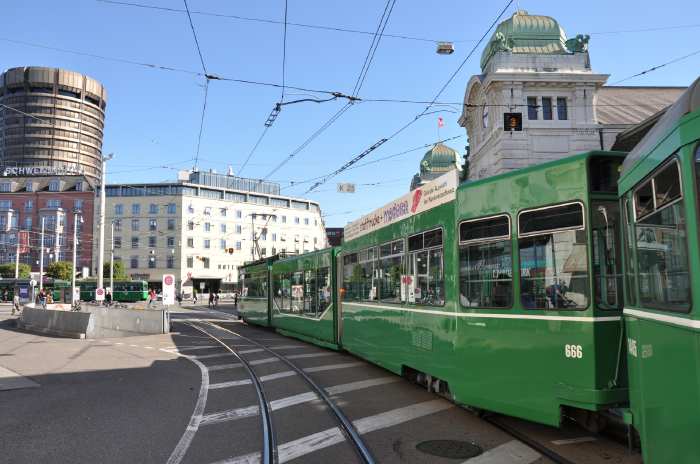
column 100, row 291
column 168, row 280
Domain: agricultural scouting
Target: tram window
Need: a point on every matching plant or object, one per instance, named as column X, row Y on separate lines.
column 606, row 255
column 358, row 276
column 667, row 185
column 604, row 174
column 257, row 285
column 553, row 260
column 644, row 200
column 425, row 279
column 484, row 229
column 390, row 272
column 662, row 256
column 310, row 295
column 282, row 292
column 323, row 279
column 568, row 216
column 485, row 265
column 296, row 285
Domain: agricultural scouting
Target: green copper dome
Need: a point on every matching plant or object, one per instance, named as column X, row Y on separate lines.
column 524, row 33
column 440, row 158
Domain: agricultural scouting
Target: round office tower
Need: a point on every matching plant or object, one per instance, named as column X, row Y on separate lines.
column 51, row 122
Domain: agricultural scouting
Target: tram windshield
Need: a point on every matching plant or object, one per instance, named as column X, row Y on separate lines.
column 553, row 258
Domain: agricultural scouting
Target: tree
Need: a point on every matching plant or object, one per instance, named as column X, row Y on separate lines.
column 62, row 270
column 119, row 271
column 7, row 271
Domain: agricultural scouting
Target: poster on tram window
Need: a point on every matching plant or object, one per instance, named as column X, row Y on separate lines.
column 434, row 193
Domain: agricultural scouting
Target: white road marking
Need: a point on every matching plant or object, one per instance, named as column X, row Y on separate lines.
column 148, row 347
column 209, row 356
column 281, row 347
column 310, row 443
column 573, row 441
column 239, row 413
column 186, row 439
column 119, row 343
column 280, row 375
column 512, row 452
column 197, row 347
column 134, row 346
column 219, row 367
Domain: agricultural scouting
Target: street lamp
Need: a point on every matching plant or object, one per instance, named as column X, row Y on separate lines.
column 101, row 222
column 76, row 214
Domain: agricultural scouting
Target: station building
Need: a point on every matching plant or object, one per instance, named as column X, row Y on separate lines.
column 538, row 99
column 203, row 226
column 51, row 131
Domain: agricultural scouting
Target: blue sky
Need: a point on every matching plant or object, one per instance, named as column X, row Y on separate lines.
column 153, row 116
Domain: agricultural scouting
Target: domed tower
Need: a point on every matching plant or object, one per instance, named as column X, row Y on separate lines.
column 54, row 123
column 530, row 72
column 436, row 161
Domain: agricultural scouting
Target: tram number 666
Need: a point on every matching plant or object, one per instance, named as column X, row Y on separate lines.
column 573, row 351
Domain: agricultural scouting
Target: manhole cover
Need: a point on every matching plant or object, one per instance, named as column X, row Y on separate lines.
column 452, row 449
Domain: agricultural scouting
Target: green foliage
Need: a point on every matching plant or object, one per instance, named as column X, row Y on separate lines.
column 7, row 271
column 119, row 271
column 60, row 270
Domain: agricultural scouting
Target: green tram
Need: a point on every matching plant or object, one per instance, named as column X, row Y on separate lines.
column 55, row 286
column 124, row 290
column 660, row 193
column 509, row 297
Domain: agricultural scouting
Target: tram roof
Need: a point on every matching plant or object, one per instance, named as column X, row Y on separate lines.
column 688, row 102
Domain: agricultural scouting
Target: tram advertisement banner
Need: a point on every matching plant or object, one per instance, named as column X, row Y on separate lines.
column 434, row 193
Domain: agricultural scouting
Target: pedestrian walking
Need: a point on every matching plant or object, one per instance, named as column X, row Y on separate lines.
column 42, row 298
column 152, row 297
column 216, row 299
column 235, row 299
column 211, row 300
column 108, row 299
column 178, row 298
column 194, row 296
column 4, row 296
column 15, row 304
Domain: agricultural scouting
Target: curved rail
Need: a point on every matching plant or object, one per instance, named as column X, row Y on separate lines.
column 269, row 452
column 346, row 425
column 550, row 454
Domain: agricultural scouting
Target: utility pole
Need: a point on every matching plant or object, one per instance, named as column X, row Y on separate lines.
column 41, row 256
column 76, row 213
column 101, row 223
column 111, row 262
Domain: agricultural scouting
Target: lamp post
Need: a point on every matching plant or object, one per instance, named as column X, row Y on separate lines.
column 111, row 261
column 76, row 215
column 101, row 223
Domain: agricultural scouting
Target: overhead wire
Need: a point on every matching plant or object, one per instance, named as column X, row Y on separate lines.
column 277, row 109
column 654, row 68
column 365, row 68
column 425, row 110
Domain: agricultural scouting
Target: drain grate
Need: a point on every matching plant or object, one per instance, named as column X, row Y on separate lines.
column 452, row 449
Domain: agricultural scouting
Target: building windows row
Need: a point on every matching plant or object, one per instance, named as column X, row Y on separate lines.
column 547, row 109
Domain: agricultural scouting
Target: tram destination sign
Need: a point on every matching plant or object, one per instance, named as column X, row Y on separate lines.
column 428, row 196
column 20, row 171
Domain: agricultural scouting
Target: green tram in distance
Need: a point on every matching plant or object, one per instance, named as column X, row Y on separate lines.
column 660, row 194
column 125, row 291
column 55, row 286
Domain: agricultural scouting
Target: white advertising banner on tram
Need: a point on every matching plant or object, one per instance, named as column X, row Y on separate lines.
column 434, row 193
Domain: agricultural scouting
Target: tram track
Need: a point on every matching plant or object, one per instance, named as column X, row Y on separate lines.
column 269, row 445
column 346, row 426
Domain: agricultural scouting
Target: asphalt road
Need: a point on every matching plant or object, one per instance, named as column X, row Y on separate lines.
column 184, row 398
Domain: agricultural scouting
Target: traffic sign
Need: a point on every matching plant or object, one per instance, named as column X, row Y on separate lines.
column 100, row 294
column 168, row 289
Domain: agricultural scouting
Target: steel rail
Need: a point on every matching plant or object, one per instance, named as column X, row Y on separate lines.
column 346, row 425
column 547, row 452
column 269, row 452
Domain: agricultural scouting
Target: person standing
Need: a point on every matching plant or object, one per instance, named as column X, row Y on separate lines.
column 15, row 304
column 211, row 300
column 151, row 297
column 108, row 298
column 216, row 299
column 42, row 298
column 194, row 296
column 235, row 299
